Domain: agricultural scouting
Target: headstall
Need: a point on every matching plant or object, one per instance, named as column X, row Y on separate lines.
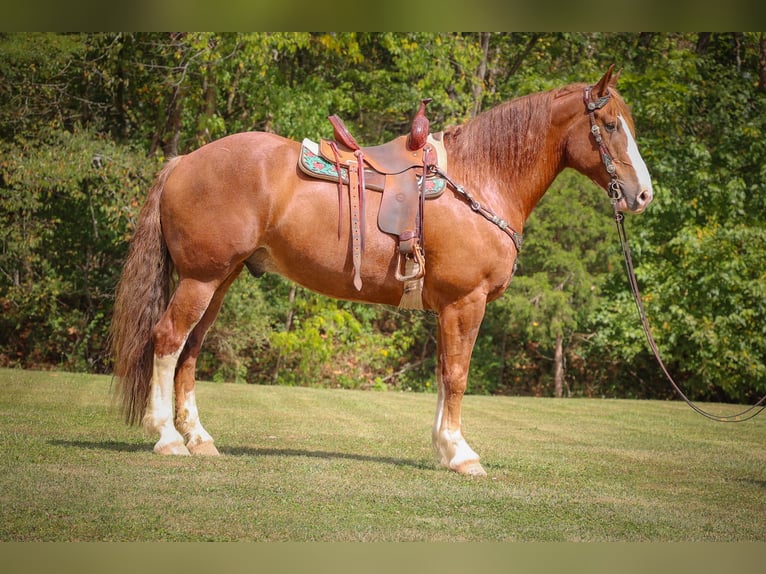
column 613, row 189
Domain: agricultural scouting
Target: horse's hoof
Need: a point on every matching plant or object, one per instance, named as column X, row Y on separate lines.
column 471, row 468
column 177, row 448
column 206, row 448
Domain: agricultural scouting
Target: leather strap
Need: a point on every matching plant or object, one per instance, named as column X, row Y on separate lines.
column 362, row 187
column 335, row 152
column 356, row 227
column 427, row 161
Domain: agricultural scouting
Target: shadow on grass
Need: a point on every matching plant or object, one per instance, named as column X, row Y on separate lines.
column 112, row 445
column 117, row 446
column 251, row 451
column 753, row 482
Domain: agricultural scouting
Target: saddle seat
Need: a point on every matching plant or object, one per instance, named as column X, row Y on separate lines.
column 400, row 169
column 390, row 158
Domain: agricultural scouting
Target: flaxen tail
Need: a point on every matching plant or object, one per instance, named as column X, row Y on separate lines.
column 142, row 296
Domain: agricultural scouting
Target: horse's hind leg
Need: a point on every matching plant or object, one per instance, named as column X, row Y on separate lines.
column 186, row 309
column 187, row 422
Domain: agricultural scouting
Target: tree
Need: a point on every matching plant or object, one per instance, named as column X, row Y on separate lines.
column 562, row 266
column 67, row 208
column 86, row 119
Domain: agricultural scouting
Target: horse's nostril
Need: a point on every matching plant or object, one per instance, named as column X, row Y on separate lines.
column 645, row 196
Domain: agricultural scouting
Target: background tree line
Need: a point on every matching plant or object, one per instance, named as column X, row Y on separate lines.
column 87, row 119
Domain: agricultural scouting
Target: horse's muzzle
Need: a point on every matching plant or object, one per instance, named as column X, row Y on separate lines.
column 636, row 203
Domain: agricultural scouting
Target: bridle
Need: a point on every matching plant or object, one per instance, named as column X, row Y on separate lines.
column 613, row 189
column 615, row 194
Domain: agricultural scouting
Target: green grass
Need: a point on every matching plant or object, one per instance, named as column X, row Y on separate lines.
column 308, row 464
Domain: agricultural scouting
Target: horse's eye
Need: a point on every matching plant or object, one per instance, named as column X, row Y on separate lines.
column 610, row 126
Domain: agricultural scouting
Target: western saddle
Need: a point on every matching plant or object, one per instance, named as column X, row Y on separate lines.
column 402, row 169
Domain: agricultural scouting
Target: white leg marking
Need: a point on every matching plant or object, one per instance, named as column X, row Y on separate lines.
column 435, row 432
column 454, row 449
column 159, row 411
column 188, row 423
column 642, row 172
column 450, row 446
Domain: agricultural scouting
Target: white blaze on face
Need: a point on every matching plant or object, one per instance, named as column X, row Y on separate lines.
column 642, row 172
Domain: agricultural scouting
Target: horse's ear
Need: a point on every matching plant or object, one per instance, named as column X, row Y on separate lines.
column 607, row 81
column 615, row 77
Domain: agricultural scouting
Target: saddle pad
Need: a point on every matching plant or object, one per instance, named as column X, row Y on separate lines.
column 314, row 165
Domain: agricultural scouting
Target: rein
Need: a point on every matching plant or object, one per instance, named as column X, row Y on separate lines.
column 746, row 414
column 615, row 193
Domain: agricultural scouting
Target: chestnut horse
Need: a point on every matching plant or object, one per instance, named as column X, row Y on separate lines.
column 241, row 201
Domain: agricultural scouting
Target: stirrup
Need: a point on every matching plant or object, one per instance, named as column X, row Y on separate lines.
column 411, row 268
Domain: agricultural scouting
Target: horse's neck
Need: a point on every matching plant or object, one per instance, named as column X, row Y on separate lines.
column 512, row 193
column 527, row 189
column 511, row 154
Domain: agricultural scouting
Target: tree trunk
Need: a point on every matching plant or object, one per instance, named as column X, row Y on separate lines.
column 288, row 327
column 762, row 63
column 521, row 57
column 210, row 91
column 169, row 133
column 478, row 87
column 558, row 373
column 703, row 40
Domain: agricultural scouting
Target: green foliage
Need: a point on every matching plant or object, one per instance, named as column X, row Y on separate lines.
column 556, row 289
column 86, row 119
column 340, row 344
column 699, row 247
column 37, row 81
column 67, row 208
column 236, row 344
column 711, row 280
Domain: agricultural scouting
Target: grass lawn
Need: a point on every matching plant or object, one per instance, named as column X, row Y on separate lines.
column 305, row 464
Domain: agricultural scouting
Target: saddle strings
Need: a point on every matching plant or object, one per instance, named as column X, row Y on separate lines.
column 743, row 416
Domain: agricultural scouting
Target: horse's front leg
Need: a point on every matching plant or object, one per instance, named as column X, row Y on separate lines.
column 458, row 327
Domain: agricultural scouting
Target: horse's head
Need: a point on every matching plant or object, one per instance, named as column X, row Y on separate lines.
column 602, row 145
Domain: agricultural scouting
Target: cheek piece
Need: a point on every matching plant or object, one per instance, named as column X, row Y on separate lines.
column 613, row 190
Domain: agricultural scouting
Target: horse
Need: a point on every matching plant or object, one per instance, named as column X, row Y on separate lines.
column 240, row 201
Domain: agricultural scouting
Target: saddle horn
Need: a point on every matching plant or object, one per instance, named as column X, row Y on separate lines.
column 419, row 130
